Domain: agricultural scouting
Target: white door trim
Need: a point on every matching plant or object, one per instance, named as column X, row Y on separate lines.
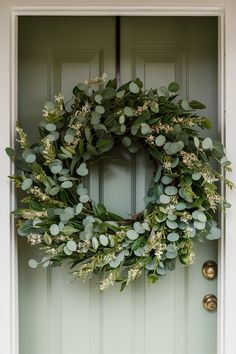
column 17, row 11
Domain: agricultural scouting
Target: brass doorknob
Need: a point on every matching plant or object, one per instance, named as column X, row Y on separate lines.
column 209, row 270
column 210, row 302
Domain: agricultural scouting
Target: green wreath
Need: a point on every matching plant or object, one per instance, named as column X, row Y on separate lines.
column 58, row 214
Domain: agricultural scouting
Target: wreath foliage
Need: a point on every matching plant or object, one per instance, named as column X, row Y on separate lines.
column 60, row 217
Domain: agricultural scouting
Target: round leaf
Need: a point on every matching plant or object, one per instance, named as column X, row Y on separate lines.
column 132, row 235
column 173, row 87
column 122, row 119
column 207, row 144
column 171, row 190
column 173, row 236
column 53, row 136
column 50, row 127
column 67, row 251
column 199, row 225
column 171, row 255
column 54, row 229
column 160, row 140
column 180, row 206
column 26, row 184
column 120, row 94
column 54, row 190
column 100, row 109
column 56, row 168
column 171, row 224
column 78, row 208
column 84, row 198
column 126, row 141
column 81, row 190
column 33, row 263
column 71, row 245
column 202, row 217
column 133, row 87
column 67, row 184
column 98, row 99
column 164, row 199
column 95, row 242
column 196, row 176
column 185, row 105
column 30, row 158
column 82, row 169
column 128, row 112
column 104, row 240
column 166, row 179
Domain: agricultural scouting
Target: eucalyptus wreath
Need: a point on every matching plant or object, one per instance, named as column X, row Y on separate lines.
column 58, row 214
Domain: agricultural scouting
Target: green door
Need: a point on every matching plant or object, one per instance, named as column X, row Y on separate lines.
column 58, row 316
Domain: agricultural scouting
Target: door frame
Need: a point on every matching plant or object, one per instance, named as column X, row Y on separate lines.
column 227, row 291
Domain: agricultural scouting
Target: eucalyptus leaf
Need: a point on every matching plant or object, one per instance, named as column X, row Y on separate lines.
column 95, row 243
column 81, row 190
column 56, row 168
column 155, row 107
column 185, row 105
column 82, row 169
column 98, row 99
column 173, row 87
column 207, row 144
column 180, row 206
column 50, row 127
column 53, row 136
column 171, row 255
column 30, row 158
column 196, row 142
column 26, row 184
column 173, row 237
column 199, row 225
column 120, row 94
column 103, row 239
column 196, row 176
column 95, row 120
column 33, row 263
column 54, row 229
column 160, row 140
column 133, row 87
column 151, row 265
column 100, row 109
column 171, row 224
column 126, row 141
column 128, row 111
column 132, row 234
column 78, row 208
column 67, row 184
column 171, row 190
column 145, row 128
column 166, row 179
column 122, row 119
column 67, row 251
column 84, row 198
column 164, row 199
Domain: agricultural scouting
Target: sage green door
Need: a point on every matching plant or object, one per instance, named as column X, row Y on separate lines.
column 58, row 316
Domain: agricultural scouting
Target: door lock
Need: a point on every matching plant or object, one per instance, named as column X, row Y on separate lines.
column 209, row 270
column 210, row 302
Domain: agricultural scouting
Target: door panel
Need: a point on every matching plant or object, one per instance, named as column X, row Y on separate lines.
column 161, row 50
column 58, row 316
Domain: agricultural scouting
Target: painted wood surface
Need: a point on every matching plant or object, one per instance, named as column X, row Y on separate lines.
column 60, row 317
